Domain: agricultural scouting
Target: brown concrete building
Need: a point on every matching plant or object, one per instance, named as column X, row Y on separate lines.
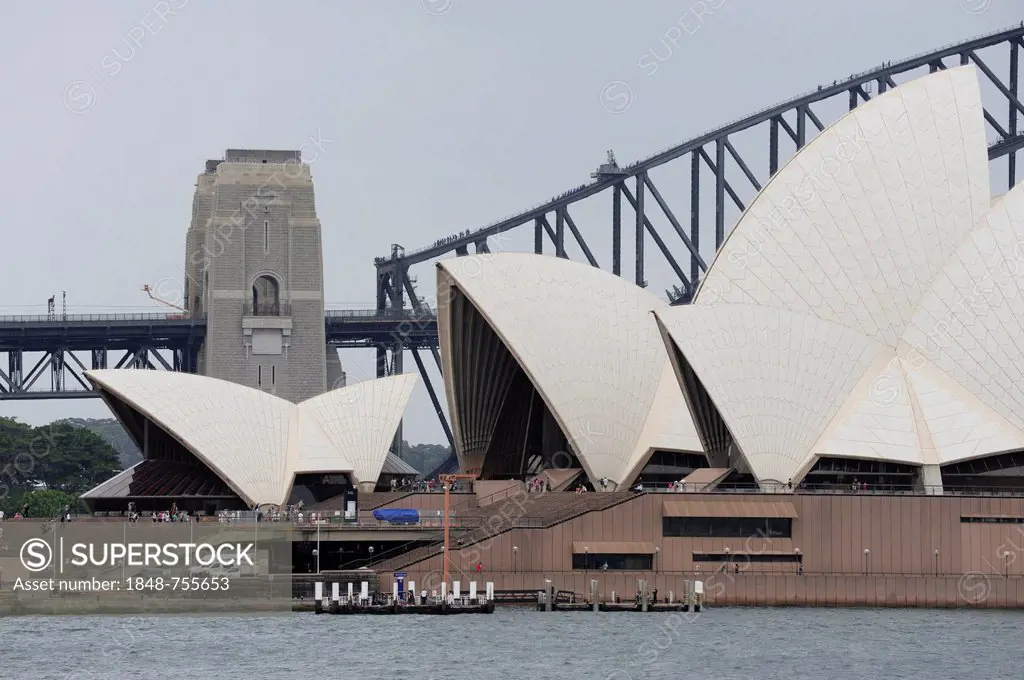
column 803, row 548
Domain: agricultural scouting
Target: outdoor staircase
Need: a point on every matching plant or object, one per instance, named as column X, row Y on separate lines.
column 538, row 511
column 367, row 501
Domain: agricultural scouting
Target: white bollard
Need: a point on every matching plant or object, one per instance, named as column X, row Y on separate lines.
column 364, row 591
column 394, row 591
column 350, row 598
column 472, row 590
column 456, row 589
column 335, row 592
column 489, row 586
column 318, row 591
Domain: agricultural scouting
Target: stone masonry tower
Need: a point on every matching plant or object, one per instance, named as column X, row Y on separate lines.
column 254, row 259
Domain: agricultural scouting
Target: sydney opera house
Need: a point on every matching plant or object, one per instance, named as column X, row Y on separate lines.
column 844, row 390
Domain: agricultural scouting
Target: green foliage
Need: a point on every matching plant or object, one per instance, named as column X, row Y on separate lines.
column 424, row 457
column 57, row 457
column 47, row 503
column 113, row 434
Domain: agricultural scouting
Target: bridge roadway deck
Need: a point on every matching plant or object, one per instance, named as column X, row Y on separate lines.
column 85, row 332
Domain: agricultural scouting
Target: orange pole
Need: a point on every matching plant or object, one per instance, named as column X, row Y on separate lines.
column 447, row 480
column 447, row 512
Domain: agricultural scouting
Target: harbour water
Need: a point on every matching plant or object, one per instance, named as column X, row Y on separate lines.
column 735, row 642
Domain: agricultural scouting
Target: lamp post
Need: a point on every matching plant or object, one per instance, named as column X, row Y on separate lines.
column 867, row 556
column 316, row 554
column 936, row 562
column 728, row 558
column 799, row 562
column 1006, row 563
column 586, row 564
column 657, row 551
column 515, row 554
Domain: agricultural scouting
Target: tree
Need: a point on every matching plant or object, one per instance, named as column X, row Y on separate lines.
column 424, row 457
column 56, row 457
column 79, row 460
column 47, row 503
column 114, row 434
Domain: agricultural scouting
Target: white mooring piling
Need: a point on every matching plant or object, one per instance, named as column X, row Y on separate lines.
column 350, row 598
column 456, row 589
column 335, row 597
column 319, row 601
column 364, row 591
column 472, row 591
column 489, row 586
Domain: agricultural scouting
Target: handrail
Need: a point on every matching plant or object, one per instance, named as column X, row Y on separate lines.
column 425, row 313
column 75, row 318
column 866, row 488
column 409, row 314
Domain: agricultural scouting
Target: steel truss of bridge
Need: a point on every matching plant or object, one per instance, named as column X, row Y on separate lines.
column 160, row 342
column 714, row 160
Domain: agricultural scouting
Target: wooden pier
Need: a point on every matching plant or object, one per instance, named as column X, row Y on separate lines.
column 400, row 602
column 440, row 609
column 692, row 600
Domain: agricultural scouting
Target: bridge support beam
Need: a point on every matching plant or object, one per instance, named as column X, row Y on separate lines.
column 59, row 373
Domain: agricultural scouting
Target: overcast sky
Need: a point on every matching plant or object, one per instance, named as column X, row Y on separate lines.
column 432, row 117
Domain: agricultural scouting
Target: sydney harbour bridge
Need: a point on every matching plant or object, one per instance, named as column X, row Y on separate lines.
column 665, row 227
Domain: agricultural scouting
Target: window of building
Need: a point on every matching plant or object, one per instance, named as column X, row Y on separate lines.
column 991, row 519
column 620, row 562
column 741, row 557
column 727, row 527
column 266, row 236
column 266, row 297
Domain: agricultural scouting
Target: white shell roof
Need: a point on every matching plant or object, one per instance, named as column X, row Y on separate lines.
column 775, row 376
column 360, row 420
column 257, row 442
column 855, row 227
column 588, row 342
column 814, row 329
